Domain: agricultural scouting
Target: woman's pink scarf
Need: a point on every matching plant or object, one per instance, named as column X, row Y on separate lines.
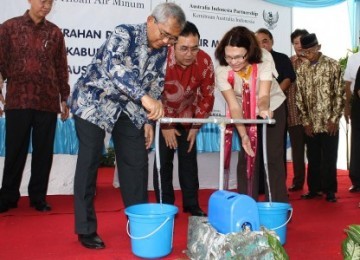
column 249, row 112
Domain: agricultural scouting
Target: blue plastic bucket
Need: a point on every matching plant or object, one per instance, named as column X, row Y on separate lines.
column 151, row 229
column 275, row 216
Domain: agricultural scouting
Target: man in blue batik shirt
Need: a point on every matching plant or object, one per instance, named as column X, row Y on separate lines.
column 120, row 93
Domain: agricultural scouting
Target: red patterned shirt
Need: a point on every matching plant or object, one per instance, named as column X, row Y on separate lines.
column 33, row 61
column 189, row 92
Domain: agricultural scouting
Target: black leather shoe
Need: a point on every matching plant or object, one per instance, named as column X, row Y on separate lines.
column 294, row 188
column 92, row 241
column 354, row 189
column 330, row 197
column 6, row 206
column 311, row 195
column 195, row 211
column 41, row 206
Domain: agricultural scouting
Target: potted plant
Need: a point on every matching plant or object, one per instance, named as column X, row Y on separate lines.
column 108, row 158
column 351, row 244
column 343, row 60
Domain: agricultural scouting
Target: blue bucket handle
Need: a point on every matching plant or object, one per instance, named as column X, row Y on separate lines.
column 287, row 221
column 151, row 233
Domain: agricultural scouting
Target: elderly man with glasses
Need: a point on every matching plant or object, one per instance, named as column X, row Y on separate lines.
column 120, row 94
column 320, row 99
column 188, row 93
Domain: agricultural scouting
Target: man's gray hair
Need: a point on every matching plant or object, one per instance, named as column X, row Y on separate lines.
column 164, row 11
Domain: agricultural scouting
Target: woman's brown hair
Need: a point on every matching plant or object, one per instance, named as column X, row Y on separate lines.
column 241, row 37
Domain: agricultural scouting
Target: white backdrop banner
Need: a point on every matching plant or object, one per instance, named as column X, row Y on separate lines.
column 87, row 23
column 214, row 18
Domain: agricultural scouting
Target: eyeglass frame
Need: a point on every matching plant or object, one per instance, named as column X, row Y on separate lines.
column 185, row 49
column 311, row 50
column 165, row 35
column 236, row 58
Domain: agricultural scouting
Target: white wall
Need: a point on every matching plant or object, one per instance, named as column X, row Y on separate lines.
column 330, row 24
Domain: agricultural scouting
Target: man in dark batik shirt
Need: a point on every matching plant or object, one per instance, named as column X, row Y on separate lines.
column 33, row 64
column 320, row 99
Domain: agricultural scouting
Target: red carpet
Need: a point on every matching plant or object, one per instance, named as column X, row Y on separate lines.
column 315, row 231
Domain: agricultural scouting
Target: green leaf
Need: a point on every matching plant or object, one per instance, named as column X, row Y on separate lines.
column 343, row 60
column 278, row 250
column 353, row 235
column 350, row 250
column 355, row 228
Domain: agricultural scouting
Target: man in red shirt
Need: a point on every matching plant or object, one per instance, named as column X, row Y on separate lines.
column 188, row 93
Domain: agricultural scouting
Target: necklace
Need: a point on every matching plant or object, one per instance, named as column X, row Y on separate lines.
column 245, row 73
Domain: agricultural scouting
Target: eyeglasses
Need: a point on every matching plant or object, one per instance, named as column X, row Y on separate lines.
column 165, row 35
column 310, row 51
column 192, row 50
column 236, row 58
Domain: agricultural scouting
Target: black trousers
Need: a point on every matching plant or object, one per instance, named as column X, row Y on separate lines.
column 188, row 171
column 21, row 125
column 354, row 172
column 297, row 139
column 131, row 159
column 275, row 153
column 322, row 152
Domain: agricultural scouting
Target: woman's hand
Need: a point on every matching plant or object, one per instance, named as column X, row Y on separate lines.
column 266, row 114
column 246, row 144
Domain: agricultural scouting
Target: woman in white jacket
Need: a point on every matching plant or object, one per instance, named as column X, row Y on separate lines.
column 246, row 79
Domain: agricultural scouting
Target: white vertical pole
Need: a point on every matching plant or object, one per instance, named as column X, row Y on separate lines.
column 157, row 157
column 222, row 127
